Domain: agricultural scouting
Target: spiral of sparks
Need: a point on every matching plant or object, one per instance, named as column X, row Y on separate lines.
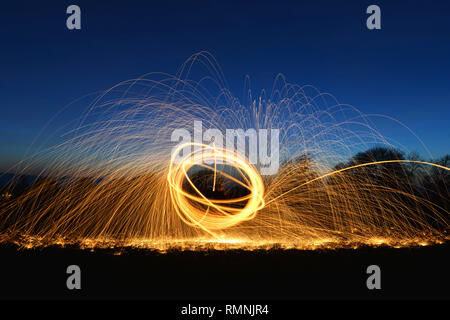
column 219, row 213
column 113, row 181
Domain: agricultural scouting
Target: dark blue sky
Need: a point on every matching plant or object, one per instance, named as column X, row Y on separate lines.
column 402, row 71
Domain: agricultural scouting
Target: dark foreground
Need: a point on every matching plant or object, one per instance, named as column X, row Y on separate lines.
column 421, row 272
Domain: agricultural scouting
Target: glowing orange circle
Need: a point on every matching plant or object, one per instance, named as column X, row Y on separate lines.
column 220, row 213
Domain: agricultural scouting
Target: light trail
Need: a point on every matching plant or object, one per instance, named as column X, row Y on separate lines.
column 114, row 181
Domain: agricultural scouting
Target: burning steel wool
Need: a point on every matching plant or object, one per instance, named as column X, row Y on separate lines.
column 120, row 179
column 215, row 214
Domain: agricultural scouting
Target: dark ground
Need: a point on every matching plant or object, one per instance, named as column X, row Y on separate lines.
column 421, row 272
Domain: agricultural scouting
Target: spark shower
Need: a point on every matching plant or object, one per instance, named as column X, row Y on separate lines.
column 113, row 181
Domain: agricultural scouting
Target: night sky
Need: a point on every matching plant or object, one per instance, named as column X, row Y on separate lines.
column 402, row 71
